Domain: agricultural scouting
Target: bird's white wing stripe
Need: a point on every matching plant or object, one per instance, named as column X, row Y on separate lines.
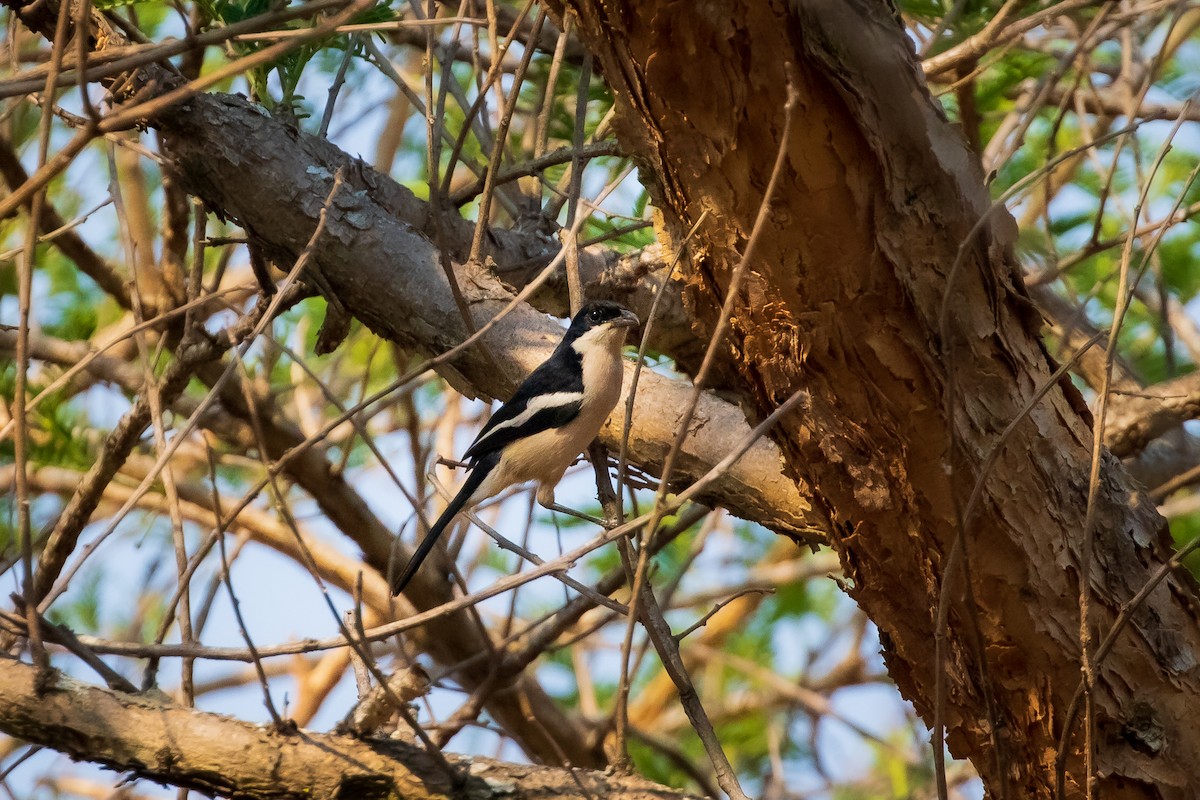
column 539, row 403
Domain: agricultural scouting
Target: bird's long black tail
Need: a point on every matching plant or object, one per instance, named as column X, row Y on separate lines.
column 479, row 471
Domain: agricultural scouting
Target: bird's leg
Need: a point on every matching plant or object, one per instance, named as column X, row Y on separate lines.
column 545, row 498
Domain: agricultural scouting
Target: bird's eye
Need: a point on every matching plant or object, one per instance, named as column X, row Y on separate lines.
column 595, row 315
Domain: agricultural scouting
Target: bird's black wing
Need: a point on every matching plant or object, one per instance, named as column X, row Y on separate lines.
column 474, row 479
column 550, row 397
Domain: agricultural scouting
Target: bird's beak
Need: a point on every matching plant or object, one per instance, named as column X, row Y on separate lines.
column 628, row 319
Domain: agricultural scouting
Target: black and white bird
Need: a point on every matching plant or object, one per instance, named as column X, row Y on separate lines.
column 551, row 418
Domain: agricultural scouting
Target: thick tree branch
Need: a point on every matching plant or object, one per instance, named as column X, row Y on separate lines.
column 996, row 33
column 527, row 713
column 378, row 259
column 1139, row 417
column 223, row 756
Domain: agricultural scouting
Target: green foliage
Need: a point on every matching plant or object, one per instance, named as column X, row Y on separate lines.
column 625, row 234
column 57, row 430
column 893, row 775
column 288, row 68
column 8, row 526
column 82, row 613
column 1185, row 530
column 1178, row 255
column 78, row 316
column 970, row 16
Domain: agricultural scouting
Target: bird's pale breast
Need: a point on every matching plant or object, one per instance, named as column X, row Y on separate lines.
column 545, row 456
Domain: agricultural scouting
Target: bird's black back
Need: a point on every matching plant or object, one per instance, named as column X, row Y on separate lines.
column 561, row 373
column 552, row 396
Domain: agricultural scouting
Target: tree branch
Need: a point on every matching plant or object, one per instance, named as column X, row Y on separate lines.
column 380, row 261
column 69, row 242
column 1139, row 417
column 220, row 755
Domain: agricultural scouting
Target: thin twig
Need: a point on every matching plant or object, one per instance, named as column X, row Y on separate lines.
column 20, row 413
column 306, row 558
column 66, row 638
column 237, row 608
column 153, row 394
column 700, row 623
column 489, row 183
column 339, row 80
column 117, row 58
column 533, row 558
column 1125, row 288
column 181, row 370
column 471, row 113
column 131, row 115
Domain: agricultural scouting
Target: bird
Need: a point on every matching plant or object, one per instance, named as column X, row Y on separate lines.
column 550, row 419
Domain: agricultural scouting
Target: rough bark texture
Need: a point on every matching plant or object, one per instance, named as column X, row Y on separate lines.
column 222, row 756
column 381, row 256
column 877, row 195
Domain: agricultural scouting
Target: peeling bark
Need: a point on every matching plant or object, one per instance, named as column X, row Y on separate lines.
column 845, row 301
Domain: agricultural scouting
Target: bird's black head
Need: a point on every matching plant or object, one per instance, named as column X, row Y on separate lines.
column 602, row 314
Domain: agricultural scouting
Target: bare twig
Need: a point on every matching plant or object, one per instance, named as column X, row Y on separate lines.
column 700, row 623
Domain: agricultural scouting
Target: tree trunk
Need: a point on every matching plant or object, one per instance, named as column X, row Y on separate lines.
column 881, row 221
